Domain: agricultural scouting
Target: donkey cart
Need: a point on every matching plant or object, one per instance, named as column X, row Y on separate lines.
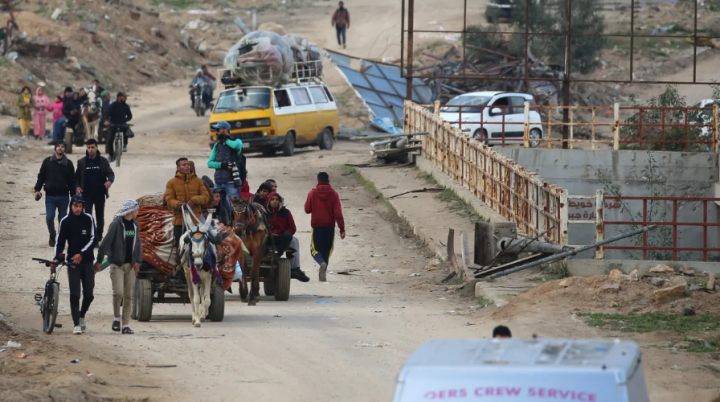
column 153, row 286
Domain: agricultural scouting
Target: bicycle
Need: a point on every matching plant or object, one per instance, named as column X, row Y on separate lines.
column 120, row 130
column 49, row 301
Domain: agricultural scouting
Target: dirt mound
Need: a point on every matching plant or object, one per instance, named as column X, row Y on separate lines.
column 46, row 374
column 602, row 293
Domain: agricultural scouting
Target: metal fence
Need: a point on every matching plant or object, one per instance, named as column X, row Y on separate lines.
column 686, row 129
column 538, row 208
column 681, row 233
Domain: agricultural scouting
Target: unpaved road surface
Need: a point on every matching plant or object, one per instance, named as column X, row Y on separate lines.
column 341, row 340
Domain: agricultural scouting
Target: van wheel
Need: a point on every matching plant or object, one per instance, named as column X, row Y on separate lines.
column 288, row 147
column 326, row 139
column 269, row 151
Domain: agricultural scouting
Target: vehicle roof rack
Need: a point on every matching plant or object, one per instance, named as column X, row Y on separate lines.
column 310, row 72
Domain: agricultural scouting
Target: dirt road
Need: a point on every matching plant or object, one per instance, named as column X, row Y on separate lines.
column 345, row 339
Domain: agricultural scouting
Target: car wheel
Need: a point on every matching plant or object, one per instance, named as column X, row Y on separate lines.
column 288, row 147
column 535, row 136
column 481, row 136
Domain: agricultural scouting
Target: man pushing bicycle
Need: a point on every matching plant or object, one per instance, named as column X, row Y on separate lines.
column 78, row 229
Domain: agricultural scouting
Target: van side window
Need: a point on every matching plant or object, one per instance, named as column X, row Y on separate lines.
column 300, row 96
column 281, row 98
column 329, row 95
column 318, row 95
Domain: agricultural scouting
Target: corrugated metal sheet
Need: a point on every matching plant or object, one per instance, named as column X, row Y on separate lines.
column 380, row 86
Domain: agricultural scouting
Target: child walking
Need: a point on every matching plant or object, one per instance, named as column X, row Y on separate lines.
column 323, row 203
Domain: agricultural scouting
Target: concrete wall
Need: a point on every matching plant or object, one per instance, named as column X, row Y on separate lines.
column 632, row 173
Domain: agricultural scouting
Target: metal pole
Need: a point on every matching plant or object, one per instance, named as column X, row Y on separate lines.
column 408, row 77
column 571, row 253
column 566, row 78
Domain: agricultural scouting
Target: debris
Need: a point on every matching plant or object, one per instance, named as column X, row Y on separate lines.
column 372, row 345
column 711, row 283
column 688, row 311
column 201, row 12
column 192, row 25
column 12, row 344
column 612, row 287
column 56, row 14
column 415, row 274
column 347, row 271
column 21, row 356
column 433, row 264
column 327, row 301
column 378, row 255
column 657, row 281
column 161, row 365
column 663, row 296
column 616, row 275
column 687, row 271
column 678, row 281
column 662, row 269
column 565, row 282
column 2, row 350
column 633, row 275
column 89, row 374
column 276, row 316
column 12, row 56
column 73, row 63
column 131, row 57
column 422, row 190
column 75, row 361
column 375, row 270
column 695, row 286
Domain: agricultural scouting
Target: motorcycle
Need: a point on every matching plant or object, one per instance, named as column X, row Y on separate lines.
column 198, row 104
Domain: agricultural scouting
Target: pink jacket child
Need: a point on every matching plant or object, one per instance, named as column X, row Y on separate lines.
column 41, row 105
column 56, row 108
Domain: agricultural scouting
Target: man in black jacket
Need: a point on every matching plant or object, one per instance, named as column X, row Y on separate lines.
column 71, row 110
column 78, row 229
column 58, row 176
column 119, row 114
column 94, row 177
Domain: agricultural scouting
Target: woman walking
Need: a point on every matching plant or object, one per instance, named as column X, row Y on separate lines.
column 56, row 108
column 42, row 104
column 25, row 110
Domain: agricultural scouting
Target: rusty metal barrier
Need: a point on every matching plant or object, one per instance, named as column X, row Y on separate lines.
column 538, row 208
column 685, row 129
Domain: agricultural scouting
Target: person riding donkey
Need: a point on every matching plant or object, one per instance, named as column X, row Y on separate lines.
column 283, row 230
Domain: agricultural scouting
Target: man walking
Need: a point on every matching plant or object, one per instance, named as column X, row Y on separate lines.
column 78, row 229
column 225, row 155
column 57, row 175
column 341, row 22
column 124, row 250
column 94, row 177
column 118, row 115
column 323, row 203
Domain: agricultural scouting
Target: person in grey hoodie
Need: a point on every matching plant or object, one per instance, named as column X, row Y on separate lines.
column 124, row 251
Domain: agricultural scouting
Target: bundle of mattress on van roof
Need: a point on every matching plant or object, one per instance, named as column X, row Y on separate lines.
column 306, row 53
column 261, row 58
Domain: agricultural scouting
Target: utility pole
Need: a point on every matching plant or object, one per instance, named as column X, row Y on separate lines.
column 566, row 76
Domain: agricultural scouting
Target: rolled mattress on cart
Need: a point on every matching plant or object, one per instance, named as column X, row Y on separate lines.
column 156, row 236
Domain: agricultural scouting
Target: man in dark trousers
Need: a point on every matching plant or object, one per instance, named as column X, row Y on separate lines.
column 225, row 154
column 78, row 229
column 57, row 175
column 118, row 115
column 341, row 22
column 94, row 177
column 323, row 203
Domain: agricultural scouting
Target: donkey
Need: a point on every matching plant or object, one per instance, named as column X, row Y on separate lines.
column 250, row 224
column 91, row 112
column 199, row 265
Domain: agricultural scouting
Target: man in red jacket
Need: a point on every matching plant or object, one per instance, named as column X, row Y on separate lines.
column 283, row 229
column 324, row 204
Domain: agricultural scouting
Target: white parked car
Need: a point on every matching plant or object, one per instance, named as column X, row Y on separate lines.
column 491, row 116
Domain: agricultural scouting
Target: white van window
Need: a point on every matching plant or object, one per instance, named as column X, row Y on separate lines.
column 329, row 95
column 318, row 95
column 300, row 96
column 281, row 98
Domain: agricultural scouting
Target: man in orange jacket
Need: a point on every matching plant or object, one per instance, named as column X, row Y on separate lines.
column 324, row 204
column 184, row 189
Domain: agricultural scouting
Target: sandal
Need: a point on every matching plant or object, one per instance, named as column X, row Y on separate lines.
column 127, row 331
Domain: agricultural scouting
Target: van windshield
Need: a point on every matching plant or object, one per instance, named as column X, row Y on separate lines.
column 465, row 101
column 243, row 99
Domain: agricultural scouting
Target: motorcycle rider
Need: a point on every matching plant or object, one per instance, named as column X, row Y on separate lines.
column 118, row 115
column 225, row 154
column 105, row 116
column 200, row 77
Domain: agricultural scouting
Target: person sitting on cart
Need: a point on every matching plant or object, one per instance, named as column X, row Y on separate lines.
column 261, row 196
column 124, row 251
column 71, row 111
column 283, row 229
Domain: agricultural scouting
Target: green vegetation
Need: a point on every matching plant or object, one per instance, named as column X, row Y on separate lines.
column 699, row 346
column 5, row 62
column 554, row 271
column 655, row 321
column 174, row 3
column 459, row 205
column 483, row 301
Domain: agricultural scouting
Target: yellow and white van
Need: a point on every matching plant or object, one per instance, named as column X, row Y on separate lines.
column 270, row 119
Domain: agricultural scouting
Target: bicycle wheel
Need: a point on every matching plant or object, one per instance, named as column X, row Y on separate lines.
column 50, row 310
column 118, row 147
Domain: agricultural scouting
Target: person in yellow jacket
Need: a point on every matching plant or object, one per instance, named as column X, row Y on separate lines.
column 184, row 189
column 25, row 106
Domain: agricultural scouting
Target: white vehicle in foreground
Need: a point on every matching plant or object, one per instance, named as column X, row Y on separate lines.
column 486, row 120
column 536, row 370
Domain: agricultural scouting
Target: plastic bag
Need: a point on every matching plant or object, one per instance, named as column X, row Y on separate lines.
column 238, row 272
column 261, row 58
